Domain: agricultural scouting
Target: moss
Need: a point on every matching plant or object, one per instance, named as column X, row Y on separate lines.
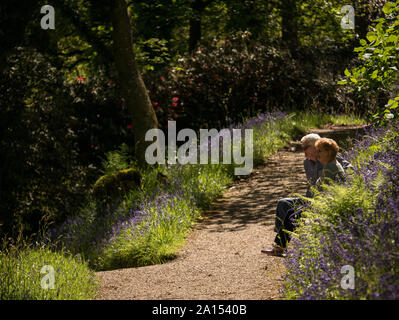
column 116, row 184
column 162, row 178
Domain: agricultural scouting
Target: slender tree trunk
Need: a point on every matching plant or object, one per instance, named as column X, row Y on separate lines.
column 289, row 26
column 195, row 34
column 361, row 19
column 197, row 7
column 133, row 87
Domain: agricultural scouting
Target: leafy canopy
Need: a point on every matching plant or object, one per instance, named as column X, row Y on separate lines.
column 378, row 73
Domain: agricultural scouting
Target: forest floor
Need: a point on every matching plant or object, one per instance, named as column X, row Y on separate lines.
column 222, row 259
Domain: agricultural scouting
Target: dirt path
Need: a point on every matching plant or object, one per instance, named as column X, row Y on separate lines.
column 221, row 259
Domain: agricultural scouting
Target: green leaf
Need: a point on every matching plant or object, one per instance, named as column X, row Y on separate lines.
column 392, row 104
column 388, row 7
column 347, row 73
column 371, row 36
column 354, row 80
column 380, row 28
column 392, row 38
column 374, row 74
column 376, row 116
column 363, row 42
column 342, row 82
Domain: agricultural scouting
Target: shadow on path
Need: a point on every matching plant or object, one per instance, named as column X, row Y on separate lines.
column 253, row 200
column 221, row 259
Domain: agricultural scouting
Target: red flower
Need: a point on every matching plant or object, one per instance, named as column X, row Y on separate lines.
column 174, row 104
column 175, row 116
column 129, row 126
column 80, row 80
column 155, row 103
column 175, row 99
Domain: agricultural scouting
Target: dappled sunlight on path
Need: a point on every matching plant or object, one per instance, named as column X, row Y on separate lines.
column 221, row 258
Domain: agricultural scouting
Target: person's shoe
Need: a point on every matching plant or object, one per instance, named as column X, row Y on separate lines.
column 274, row 251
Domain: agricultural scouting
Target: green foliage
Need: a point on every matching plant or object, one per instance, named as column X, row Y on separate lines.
column 53, row 135
column 377, row 75
column 238, row 79
column 337, row 205
column 41, row 173
column 116, row 160
column 157, row 19
column 155, row 239
column 21, row 277
column 351, row 224
column 326, row 28
column 152, row 54
column 378, row 146
column 170, row 21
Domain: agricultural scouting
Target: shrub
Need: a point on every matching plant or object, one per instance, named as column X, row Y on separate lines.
column 52, row 138
column 237, row 79
column 377, row 73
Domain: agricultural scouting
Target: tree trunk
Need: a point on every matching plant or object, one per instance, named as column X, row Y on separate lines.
column 195, row 33
column 289, row 25
column 362, row 19
column 197, row 7
column 133, row 87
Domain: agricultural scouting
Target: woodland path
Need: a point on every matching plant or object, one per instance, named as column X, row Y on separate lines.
column 222, row 257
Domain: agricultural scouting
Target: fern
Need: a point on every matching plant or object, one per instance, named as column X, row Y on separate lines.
column 117, row 160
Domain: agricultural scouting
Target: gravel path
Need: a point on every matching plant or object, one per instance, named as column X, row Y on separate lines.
column 221, row 259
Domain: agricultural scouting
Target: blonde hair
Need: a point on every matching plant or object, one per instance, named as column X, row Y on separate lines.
column 328, row 145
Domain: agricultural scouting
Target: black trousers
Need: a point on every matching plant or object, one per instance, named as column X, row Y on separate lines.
column 290, row 223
